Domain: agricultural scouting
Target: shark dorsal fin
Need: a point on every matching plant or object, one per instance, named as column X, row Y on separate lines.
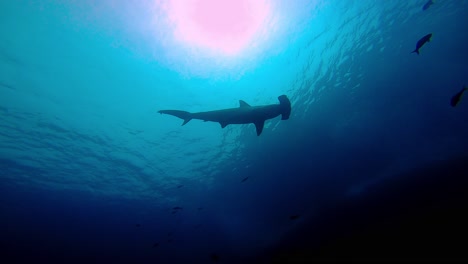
column 259, row 127
column 223, row 124
column 243, row 104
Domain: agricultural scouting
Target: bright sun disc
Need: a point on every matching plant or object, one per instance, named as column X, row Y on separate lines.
column 222, row 25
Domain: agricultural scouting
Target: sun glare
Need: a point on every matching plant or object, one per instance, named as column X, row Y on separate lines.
column 227, row 26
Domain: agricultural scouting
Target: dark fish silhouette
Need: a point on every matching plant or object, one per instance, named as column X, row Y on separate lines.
column 427, row 5
column 421, row 42
column 457, row 97
column 246, row 178
column 156, row 245
column 180, row 186
column 294, row 217
column 137, row 225
column 176, row 209
column 214, row 257
column 200, row 208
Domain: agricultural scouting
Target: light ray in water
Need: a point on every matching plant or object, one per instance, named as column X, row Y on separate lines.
column 226, row 26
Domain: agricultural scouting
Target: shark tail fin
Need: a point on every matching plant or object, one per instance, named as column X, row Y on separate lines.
column 285, row 107
column 186, row 116
column 415, row 51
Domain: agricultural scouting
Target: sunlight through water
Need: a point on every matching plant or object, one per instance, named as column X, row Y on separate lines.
column 225, row 26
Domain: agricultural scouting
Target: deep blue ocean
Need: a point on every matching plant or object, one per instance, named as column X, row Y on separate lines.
column 371, row 164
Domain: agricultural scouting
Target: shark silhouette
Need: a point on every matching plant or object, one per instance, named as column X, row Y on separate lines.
column 244, row 114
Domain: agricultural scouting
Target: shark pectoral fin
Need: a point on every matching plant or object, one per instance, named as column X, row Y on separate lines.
column 186, row 121
column 223, row 125
column 259, row 127
column 243, row 104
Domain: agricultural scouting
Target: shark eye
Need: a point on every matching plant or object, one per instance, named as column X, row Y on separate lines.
column 226, row 26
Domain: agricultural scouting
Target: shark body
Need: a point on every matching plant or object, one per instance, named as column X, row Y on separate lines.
column 244, row 114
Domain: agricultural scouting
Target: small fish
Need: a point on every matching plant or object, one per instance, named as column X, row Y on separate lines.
column 155, row 245
column 138, row 225
column 200, row 208
column 176, row 209
column 421, row 42
column 427, row 5
column 214, row 257
column 180, row 186
column 294, row 217
column 246, row 178
column 457, row 97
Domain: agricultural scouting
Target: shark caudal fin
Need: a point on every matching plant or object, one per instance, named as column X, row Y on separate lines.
column 186, row 116
column 285, row 107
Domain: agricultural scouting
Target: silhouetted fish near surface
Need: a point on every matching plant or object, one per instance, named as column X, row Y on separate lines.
column 421, row 42
column 457, row 97
column 294, row 217
column 246, row 178
column 427, row 5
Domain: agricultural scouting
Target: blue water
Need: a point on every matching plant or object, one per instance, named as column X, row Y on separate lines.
column 90, row 171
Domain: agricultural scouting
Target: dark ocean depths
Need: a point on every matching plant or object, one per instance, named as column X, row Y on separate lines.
column 371, row 165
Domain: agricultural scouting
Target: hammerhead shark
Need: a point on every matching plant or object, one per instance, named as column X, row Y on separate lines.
column 244, row 114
